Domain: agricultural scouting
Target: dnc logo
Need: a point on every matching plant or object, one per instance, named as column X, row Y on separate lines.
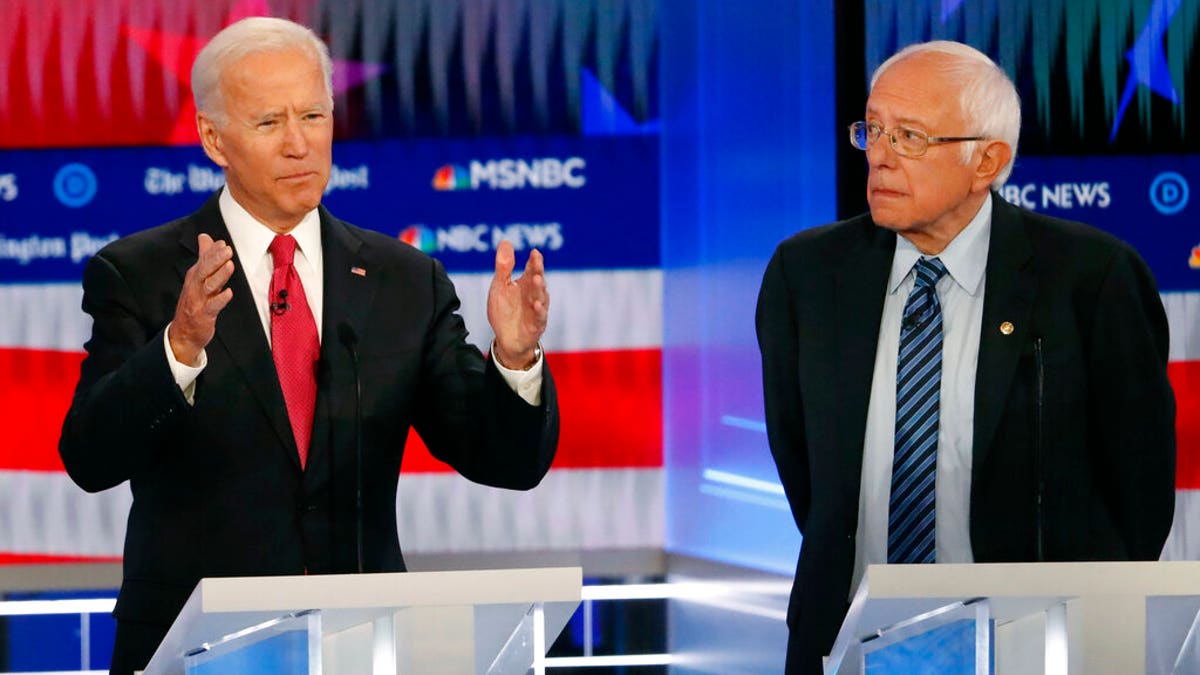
column 451, row 177
column 75, row 185
column 419, row 236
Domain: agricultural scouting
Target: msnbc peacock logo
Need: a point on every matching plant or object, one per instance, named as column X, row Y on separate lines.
column 451, row 177
column 420, row 238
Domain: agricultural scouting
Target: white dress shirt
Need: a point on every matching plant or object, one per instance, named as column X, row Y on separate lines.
column 960, row 293
column 250, row 240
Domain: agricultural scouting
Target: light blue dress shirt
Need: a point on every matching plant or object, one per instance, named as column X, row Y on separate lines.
column 960, row 293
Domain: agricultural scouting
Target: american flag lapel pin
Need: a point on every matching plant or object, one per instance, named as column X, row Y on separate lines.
column 358, row 271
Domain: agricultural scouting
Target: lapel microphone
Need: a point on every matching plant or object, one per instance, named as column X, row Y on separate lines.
column 280, row 305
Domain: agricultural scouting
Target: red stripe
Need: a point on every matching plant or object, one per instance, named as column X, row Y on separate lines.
column 1185, row 379
column 611, row 408
column 32, row 558
column 35, row 392
column 611, row 403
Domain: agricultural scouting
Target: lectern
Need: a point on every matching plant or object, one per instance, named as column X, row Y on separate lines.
column 1027, row 618
column 488, row 621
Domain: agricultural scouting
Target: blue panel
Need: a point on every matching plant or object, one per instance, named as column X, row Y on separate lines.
column 946, row 650
column 748, row 138
column 1150, row 201
column 283, row 654
column 53, row 641
column 587, row 203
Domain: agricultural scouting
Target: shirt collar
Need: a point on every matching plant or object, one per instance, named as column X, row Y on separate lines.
column 251, row 238
column 965, row 257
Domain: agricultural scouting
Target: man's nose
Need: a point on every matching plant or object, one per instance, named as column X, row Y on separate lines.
column 880, row 151
column 294, row 142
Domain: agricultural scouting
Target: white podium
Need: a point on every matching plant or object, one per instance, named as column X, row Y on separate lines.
column 488, row 621
column 1061, row 618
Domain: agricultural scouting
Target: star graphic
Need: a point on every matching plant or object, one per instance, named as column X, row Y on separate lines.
column 1147, row 62
column 949, row 7
column 176, row 53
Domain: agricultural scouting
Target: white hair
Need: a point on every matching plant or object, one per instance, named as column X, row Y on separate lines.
column 988, row 99
column 238, row 40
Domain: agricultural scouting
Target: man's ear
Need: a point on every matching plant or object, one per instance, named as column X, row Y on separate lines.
column 210, row 138
column 995, row 156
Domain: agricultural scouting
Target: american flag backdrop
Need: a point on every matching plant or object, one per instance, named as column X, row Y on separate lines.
column 431, row 98
column 97, row 140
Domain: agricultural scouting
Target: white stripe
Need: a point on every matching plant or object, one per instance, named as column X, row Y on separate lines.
column 572, row 509
column 43, row 316
column 1183, row 316
column 44, row 513
column 589, row 310
column 608, row 661
column 1184, row 541
column 43, row 607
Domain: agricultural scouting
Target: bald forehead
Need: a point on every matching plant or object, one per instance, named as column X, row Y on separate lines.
column 917, row 90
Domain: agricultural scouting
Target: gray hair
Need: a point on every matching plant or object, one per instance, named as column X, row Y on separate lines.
column 989, row 100
column 238, row 40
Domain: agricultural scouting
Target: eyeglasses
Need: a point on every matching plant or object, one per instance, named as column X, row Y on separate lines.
column 906, row 142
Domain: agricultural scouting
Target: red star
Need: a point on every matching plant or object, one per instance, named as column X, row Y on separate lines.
column 176, row 53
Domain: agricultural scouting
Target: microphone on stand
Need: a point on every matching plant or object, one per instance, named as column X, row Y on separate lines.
column 349, row 339
column 280, row 305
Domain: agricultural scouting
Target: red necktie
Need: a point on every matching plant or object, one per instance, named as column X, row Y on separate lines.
column 294, row 343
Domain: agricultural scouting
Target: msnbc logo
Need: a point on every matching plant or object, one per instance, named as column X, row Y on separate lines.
column 1194, row 261
column 543, row 173
column 451, row 177
column 419, row 237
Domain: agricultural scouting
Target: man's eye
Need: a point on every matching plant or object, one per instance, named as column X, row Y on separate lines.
column 267, row 124
column 909, row 135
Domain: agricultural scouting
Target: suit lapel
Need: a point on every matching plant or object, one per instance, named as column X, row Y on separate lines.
column 351, row 278
column 1010, row 291
column 860, row 290
column 239, row 328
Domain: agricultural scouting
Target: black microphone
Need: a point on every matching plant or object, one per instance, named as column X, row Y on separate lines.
column 349, row 340
column 278, row 308
column 1039, row 467
column 910, row 321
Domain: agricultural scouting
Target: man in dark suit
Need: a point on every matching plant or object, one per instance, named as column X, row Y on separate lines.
column 234, row 349
column 950, row 378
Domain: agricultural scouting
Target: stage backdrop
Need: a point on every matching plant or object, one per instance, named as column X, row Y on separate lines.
column 1110, row 137
column 459, row 124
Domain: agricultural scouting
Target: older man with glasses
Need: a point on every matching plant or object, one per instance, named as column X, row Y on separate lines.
column 952, row 379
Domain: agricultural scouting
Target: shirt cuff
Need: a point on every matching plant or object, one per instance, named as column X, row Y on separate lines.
column 185, row 375
column 526, row 383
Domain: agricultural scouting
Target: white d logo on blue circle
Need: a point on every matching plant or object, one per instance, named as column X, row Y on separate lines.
column 75, row 185
column 1169, row 193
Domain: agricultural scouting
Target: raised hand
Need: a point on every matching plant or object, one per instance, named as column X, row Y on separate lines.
column 517, row 309
column 200, row 301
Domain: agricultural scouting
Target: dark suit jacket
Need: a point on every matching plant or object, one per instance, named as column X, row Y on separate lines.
column 217, row 487
column 1108, row 445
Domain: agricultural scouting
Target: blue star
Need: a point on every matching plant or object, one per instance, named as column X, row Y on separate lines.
column 1147, row 62
column 950, row 7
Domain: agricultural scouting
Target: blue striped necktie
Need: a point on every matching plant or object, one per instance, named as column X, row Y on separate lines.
column 911, row 532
